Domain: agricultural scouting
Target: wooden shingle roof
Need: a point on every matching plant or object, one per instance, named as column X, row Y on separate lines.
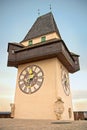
column 44, row 24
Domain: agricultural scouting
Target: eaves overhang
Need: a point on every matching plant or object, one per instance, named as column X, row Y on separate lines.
column 41, row 51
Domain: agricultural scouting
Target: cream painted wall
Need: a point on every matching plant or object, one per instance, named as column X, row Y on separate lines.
column 40, row 105
column 60, row 91
column 38, row 39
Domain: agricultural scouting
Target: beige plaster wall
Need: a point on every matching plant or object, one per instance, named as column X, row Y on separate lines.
column 40, row 105
column 38, row 39
column 60, row 92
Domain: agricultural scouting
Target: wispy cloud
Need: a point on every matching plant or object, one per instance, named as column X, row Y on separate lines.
column 79, row 94
column 80, row 105
column 79, row 100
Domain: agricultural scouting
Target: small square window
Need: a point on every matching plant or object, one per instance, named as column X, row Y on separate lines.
column 30, row 43
column 43, row 39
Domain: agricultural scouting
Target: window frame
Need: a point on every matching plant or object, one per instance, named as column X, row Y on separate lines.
column 30, row 42
column 43, row 38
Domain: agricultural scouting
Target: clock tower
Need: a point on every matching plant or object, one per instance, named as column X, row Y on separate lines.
column 44, row 63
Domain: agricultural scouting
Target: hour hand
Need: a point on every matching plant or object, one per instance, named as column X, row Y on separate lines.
column 31, row 75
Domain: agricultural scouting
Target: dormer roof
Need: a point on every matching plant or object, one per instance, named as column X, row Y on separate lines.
column 44, row 24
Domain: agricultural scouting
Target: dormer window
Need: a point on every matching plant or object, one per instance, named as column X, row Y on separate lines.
column 30, row 42
column 43, row 39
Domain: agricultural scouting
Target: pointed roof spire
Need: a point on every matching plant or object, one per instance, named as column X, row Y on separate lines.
column 44, row 24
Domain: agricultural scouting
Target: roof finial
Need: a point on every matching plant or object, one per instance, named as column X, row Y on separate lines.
column 50, row 7
column 38, row 12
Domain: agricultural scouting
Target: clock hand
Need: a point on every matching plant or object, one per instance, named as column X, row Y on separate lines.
column 31, row 75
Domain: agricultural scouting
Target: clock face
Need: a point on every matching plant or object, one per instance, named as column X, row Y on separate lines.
column 31, row 79
column 65, row 82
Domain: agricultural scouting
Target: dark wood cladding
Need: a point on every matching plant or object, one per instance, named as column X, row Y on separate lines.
column 43, row 51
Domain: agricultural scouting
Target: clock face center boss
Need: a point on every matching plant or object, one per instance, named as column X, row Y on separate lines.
column 31, row 79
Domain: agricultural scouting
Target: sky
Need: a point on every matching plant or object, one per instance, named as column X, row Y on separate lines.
column 17, row 17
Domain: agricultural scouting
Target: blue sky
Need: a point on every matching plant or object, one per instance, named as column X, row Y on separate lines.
column 17, row 17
